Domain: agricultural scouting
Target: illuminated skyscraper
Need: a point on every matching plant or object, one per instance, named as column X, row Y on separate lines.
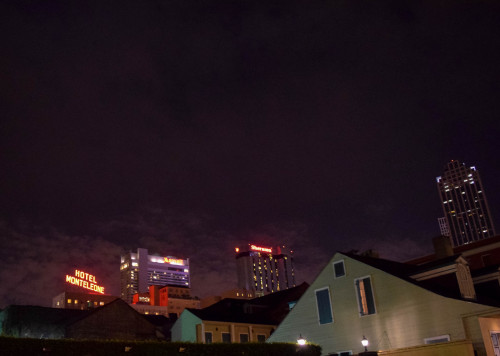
column 139, row 270
column 264, row 270
column 464, row 203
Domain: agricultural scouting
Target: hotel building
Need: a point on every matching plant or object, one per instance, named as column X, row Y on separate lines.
column 465, row 207
column 138, row 271
column 264, row 270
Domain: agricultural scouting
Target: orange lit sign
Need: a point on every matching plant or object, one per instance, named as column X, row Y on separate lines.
column 84, row 280
column 261, row 249
column 173, row 261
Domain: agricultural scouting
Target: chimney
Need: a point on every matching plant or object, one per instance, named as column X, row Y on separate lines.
column 442, row 246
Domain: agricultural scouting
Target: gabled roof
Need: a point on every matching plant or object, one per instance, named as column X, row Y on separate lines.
column 402, row 270
column 268, row 310
column 446, row 286
column 463, row 249
column 56, row 316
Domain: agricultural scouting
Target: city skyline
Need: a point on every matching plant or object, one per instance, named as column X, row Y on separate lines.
column 191, row 128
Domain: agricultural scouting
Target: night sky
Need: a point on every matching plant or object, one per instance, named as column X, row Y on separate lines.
column 189, row 127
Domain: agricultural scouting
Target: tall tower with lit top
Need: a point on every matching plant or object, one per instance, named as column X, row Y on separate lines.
column 264, row 270
column 464, row 204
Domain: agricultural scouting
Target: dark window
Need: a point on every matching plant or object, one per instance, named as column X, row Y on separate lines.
column 226, row 337
column 243, row 338
column 261, row 338
column 364, row 293
column 324, row 306
column 487, row 260
column 339, row 269
column 208, row 338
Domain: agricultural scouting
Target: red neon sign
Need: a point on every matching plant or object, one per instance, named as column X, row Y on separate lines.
column 84, row 280
column 261, row 249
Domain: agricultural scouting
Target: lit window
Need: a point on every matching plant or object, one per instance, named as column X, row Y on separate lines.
column 101, row 303
column 69, row 301
column 76, row 301
column 364, row 294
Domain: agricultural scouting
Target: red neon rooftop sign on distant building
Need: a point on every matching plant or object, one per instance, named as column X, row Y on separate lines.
column 261, row 249
column 84, row 280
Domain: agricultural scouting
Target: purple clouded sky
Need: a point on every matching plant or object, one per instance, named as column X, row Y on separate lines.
column 190, row 128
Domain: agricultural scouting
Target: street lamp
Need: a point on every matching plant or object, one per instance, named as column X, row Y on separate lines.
column 364, row 342
column 301, row 341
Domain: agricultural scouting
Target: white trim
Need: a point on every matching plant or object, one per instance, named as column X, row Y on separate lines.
column 443, row 337
column 349, row 351
column 333, row 266
column 329, row 299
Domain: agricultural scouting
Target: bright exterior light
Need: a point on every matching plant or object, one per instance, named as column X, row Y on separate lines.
column 364, row 342
column 301, row 341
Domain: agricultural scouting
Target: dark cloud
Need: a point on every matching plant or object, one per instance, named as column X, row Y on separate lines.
column 36, row 261
column 188, row 125
column 35, row 264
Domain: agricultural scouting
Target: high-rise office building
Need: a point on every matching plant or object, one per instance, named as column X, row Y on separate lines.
column 464, row 203
column 139, row 270
column 264, row 270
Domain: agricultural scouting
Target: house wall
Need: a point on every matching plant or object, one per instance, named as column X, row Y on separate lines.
column 184, row 329
column 405, row 313
column 487, row 325
column 177, row 305
column 456, row 348
column 235, row 329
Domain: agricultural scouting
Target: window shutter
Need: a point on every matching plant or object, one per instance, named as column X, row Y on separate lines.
column 369, row 296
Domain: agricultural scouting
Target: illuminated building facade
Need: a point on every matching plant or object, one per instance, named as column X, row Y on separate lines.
column 464, row 204
column 139, row 270
column 264, row 270
column 165, row 300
